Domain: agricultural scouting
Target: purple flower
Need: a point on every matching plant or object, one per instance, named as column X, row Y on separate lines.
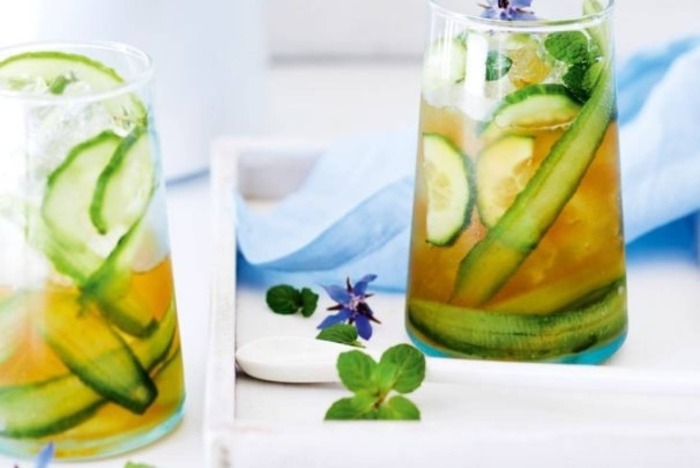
column 351, row 306
column 45, row 456
column 508, row 10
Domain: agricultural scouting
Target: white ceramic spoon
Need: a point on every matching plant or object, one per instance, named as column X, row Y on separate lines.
column 304, row 360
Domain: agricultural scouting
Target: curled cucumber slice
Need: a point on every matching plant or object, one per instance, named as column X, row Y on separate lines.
column 66, row 205
column 94, row 352
column 445, row 63
column 54, row 405
column 532, row 109
column 125, row 186
column 57, row 68
column 449, row 187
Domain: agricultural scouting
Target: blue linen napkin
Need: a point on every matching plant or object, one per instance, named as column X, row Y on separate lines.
column 352, row 215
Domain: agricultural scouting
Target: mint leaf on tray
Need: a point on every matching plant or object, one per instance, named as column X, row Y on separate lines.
column 284, row 299
column 400, row 369
column 340, row 333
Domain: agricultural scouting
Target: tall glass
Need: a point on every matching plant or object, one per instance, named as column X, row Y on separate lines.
column 517, row 249
column 89, row 348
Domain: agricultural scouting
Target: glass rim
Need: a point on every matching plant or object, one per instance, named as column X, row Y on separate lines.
column 537, row 25
column 141, row 77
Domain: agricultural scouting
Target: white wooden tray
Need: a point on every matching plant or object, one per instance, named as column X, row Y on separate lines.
column 256, row 424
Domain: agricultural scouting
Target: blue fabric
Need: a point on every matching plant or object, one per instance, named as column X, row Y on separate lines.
column 352, row 215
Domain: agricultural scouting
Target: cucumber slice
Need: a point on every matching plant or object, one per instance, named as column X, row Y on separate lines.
column 519, row 230
column 499, row 335
column 52, row 406
column 95, row 353
column 125, row 186
column 12, row 320
column 54, row 66
column 110, row 287
column 113, row 179
column 66, row 205
column 449, row 186
column 503, row 170
column 532, row 109
column 445, row 63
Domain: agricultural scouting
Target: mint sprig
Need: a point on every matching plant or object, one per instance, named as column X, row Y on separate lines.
column 497, row 65
column 581, row 55
column 400, row 369
column 340, row 333
column 284, row 299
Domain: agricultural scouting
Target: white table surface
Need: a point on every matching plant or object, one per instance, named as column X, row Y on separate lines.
column 326, row 101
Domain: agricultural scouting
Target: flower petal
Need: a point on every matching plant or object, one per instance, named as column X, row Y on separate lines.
column 45, row 456
column 337, row 293
column 361, row 285
column 364, row 328
column 340, row 317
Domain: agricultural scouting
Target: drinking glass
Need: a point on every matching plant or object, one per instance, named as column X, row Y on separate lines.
column 517, row 249
column 89, row 348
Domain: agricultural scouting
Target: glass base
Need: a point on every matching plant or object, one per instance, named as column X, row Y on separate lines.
column 594, row 355
column 67, row 450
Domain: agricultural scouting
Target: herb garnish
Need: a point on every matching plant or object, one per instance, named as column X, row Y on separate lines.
column 400, row 369
column 581, row 56
column 286, row 300
column 352, row 306
column 340, row 333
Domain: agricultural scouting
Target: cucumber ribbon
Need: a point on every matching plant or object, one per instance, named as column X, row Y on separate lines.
column 522, row 226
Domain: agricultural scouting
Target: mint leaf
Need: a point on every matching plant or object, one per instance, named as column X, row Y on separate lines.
column 340, row 333
column 283, row 299
column 405, row 365
column 58, row 85
column 574, row 80
column 355, row 369
column 309, row 301
column 497, row 65
column 399, row 408
column 360, row 406
column 569, row 46
column 385, row 376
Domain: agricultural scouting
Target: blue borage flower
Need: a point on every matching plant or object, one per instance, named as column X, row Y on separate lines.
column 508, row 10
column 351, row 306
column 45, row 455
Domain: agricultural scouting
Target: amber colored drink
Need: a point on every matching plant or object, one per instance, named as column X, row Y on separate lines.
column 90, row 356
column 517, row 248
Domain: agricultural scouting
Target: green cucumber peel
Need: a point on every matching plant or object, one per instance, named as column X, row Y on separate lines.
column 535, row 209
column 599, row 316
column 122, row 162
column 52, row 406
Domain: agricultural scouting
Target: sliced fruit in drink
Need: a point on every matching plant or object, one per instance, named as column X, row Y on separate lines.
column 110, row 286
column 50, row 66
column 445, row 63
column 69, row 189
column 522, row 336
column 502, row 172
column 500, row 253
column 125, row 186
column 94, row 352
column 52, row 406
column 450, row 191
column 532, row 109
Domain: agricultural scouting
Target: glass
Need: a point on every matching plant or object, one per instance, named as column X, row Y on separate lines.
column 89, row 347
column 517, row 249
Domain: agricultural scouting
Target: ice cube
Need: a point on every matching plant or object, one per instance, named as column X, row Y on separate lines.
column 55, row 129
